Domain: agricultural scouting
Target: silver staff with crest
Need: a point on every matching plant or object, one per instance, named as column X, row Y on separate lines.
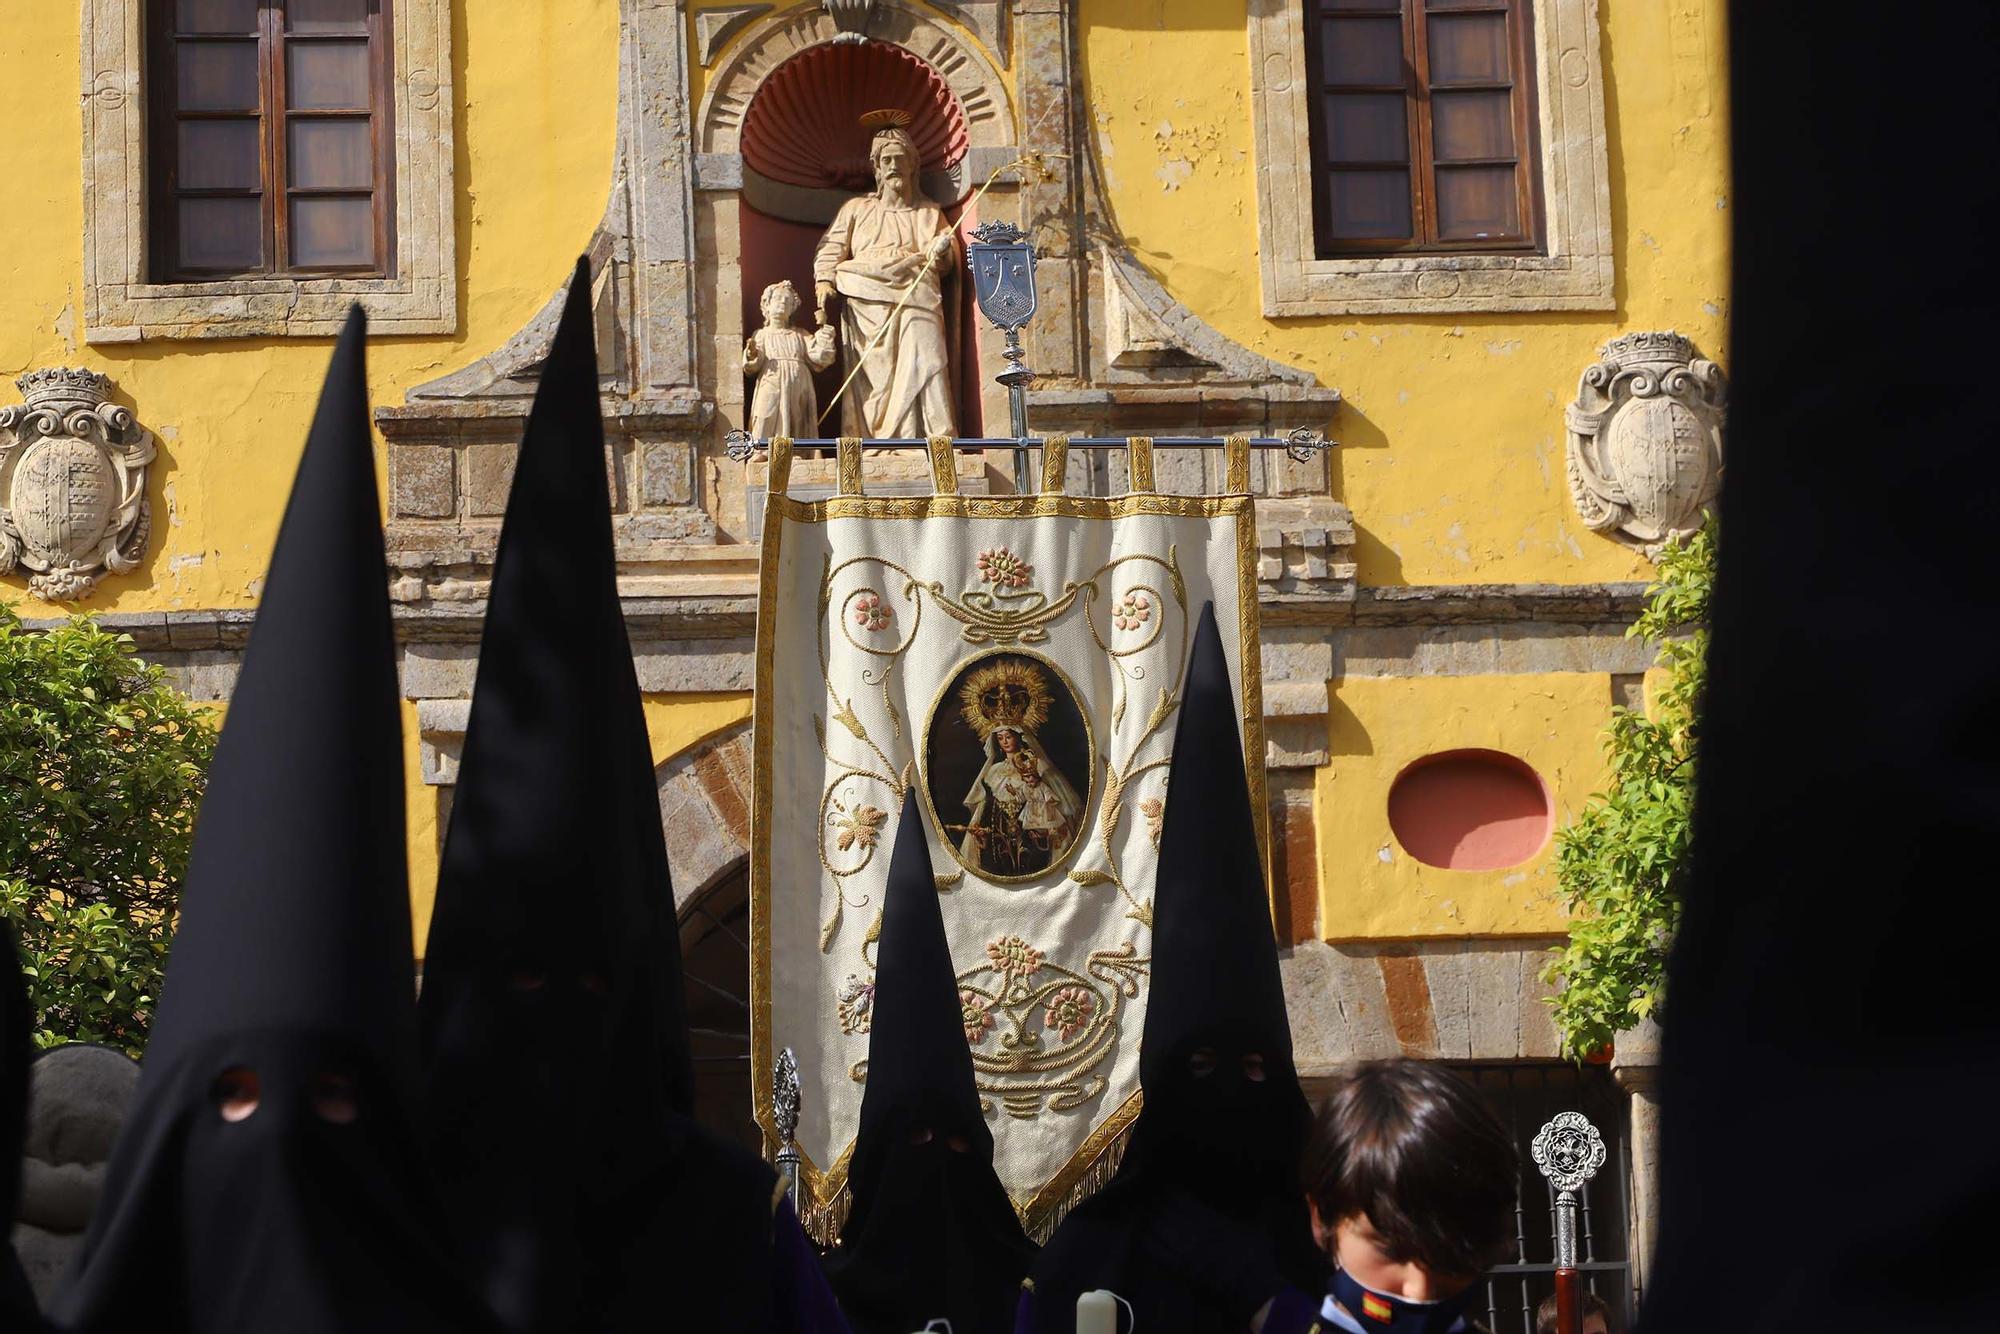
column 1568, row 1150
column 1003, row 282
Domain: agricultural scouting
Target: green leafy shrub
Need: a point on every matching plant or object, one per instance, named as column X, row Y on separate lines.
column 102, row 766
column 1621, row 867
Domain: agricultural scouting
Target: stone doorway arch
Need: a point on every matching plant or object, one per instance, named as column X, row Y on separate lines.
column 705, row 810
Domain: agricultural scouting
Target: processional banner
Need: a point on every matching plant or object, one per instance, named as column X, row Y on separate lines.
column 1018, row 660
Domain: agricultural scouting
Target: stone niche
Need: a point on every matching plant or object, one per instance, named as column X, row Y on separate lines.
column 711, row 199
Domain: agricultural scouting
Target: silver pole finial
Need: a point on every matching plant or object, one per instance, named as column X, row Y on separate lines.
column 785, row 1107
column 1569, row 1151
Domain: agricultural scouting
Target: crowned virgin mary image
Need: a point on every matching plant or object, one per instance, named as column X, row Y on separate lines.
column 1022, row 814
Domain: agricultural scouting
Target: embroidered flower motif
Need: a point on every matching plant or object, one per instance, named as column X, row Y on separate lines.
column 1133, row 610
column 1153, row 808
column 861, row 827
column 871, row 613
column 1002, row 567
column 1014, row 957
column 973, row 1012
column 857, row 1005
column 1069, row 1011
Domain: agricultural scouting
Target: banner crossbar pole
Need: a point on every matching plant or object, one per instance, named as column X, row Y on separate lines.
column 1302, row 445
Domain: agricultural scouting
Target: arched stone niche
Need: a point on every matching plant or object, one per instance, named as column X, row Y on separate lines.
column 740, row 214
column 971, row 76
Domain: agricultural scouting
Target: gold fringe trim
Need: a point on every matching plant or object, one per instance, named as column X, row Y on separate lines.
column 1094, row 1177
column 823, row 1221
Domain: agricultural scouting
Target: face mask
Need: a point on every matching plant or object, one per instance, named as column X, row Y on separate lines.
column 1378, row 1311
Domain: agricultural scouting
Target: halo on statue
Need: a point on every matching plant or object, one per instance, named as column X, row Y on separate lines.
column 887, row 118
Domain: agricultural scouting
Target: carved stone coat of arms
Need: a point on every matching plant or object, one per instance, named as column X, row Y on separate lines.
column 72, row 484
column 1645, row 439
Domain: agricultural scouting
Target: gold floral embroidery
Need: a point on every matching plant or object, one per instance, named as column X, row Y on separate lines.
column 856, row 1005
column 1153, row 808
column 1003, row 569
column 974, row 1011
column 1014, row 957
column 862, row 826
column 1043, row 1030
column 1069, row 1010
column 1133, row 610
column 871, row 613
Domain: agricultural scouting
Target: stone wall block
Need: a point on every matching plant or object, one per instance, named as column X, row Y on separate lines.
column 666, row 469
column 1447, row 975
column 1338, row 1004
column 439, row 671
column 420, row 482
column 1406, row 984
column 489, row 472
column 688, row 665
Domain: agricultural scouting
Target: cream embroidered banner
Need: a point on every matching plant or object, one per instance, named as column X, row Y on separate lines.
column 1019, row 660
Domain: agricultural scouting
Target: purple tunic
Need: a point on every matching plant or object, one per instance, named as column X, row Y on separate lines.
column 804, row 1303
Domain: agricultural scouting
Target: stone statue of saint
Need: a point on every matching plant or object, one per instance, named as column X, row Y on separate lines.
column 783, row 359
column 886, row 248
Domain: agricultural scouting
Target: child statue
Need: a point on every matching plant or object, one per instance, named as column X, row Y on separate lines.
column 783, row 359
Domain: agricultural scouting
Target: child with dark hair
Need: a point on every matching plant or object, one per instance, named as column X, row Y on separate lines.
column 1411, row 1182
column 1596, row 1315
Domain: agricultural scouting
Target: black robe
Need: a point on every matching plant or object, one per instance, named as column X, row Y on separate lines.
column 554, row 1026
column 1829, row 1000
column 931, row 1233
column 1221, row 1145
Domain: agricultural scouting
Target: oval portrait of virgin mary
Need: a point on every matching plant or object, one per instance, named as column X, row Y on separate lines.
column 1008, row 762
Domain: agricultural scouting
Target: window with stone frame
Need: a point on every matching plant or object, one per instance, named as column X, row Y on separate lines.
column 1422, row 126
column 270, row 150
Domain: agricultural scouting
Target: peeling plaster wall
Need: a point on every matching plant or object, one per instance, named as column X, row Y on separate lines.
column 1451, row 427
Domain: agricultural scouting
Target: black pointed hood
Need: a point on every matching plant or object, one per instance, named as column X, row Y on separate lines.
column 297, row 907
column 1224, row 1119
column 1215, row 959
column 931, row 1233
column 271, row 1133
column 919, row 1063
column 554, row 1026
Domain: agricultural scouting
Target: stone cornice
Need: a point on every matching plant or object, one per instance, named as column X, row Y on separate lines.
column 729, row 612
column 502, row 418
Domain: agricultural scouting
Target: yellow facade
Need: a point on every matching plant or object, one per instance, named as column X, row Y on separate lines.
column 534, row 154
column 1451, row 436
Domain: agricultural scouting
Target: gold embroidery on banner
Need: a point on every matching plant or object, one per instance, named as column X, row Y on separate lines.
column 823, row 1197
column 1139, row 462
column 1055, row 464
column 944, row 466
column 847, row 465
column 778, row 475
column 854, row 823
column 1236, row 465
column 1038, row 1030
column 1013, row 507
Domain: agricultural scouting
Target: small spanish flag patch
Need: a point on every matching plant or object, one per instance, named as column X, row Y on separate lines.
column 1376, row 1309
